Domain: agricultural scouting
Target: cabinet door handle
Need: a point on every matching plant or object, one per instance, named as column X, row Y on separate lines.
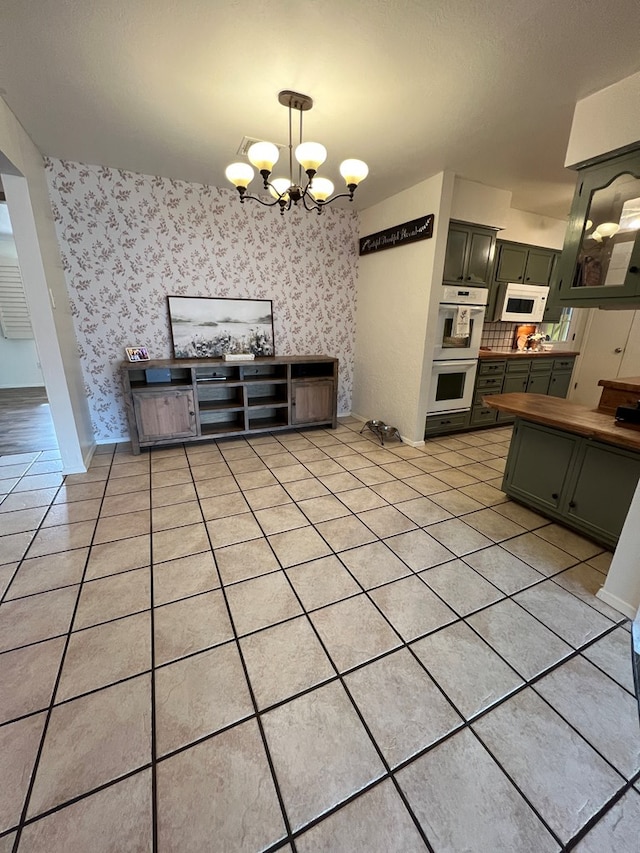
column 618, row 349
column 555, row 496
column 460, row 278
column 445, row 422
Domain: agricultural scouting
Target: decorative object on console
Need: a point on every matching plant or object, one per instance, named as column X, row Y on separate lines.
column 208, row 327
column 137, row 353
column 310, row 156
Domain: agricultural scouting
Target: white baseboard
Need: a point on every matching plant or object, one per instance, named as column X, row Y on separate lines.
column 613, row 601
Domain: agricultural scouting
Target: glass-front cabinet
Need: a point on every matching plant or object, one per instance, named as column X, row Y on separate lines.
column 600, row 260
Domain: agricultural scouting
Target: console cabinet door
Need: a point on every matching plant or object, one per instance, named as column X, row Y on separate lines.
column 165, row 414
column 312, row 401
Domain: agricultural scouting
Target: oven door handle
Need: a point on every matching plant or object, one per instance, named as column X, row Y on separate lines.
column 458, row 362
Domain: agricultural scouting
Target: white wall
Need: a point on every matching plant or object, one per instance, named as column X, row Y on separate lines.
column 480, row 204
column 19, row 367
column 622, row 586
column 605, row 121
column 396, row 289
column 19, row 364
column 523, row 227
column 25, row 186
column 490, row 206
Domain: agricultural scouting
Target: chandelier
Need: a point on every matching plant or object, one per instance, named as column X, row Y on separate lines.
column 318, row 191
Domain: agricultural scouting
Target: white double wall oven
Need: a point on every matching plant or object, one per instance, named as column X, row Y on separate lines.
column 455, row 359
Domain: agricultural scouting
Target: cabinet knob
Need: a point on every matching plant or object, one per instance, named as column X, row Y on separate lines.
column 555, row 496
column 468, row 278
column 460, row 278
column 618, row 349
column 528, row 278
column 519, row 277
column 634, row 269
column 572, row 504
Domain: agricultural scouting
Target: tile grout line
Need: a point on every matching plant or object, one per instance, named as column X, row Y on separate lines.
column 339, row 677
column 285, row 817
column 51, row 706
column 352, row 513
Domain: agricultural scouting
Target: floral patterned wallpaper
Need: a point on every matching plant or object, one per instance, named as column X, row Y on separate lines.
column 129, row 240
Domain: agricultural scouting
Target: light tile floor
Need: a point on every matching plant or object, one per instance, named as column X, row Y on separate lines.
column 306, row 642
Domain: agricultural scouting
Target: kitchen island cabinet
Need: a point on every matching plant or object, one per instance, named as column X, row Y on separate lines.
column 571, row 463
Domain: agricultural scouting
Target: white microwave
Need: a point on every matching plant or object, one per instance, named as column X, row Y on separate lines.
column 519, row 303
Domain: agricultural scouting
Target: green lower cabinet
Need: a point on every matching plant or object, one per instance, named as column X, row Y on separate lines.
column 438, row 424
column 560, row 384
column 600, row 492
column 538, row 383
column 538, row 464
column 517, row 383
column 583, row 483
column 482, row 415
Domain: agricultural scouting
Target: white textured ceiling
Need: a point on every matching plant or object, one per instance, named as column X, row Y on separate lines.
column 485, row 88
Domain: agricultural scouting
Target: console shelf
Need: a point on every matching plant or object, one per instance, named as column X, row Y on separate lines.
column 201, row 399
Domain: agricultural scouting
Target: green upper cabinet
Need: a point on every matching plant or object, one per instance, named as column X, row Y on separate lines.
column 539, row 266
column 524, row 264
column 469, row 255
column 510, row 262
column 600, row 261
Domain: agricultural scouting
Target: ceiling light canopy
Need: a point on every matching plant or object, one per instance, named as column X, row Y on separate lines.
column 318, row 191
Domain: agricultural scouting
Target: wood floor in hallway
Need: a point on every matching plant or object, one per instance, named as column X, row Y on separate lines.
column 25, row 421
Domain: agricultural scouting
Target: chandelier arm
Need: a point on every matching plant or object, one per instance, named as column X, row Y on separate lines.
column 333, row 198
column 314, row 206
column 246, row 197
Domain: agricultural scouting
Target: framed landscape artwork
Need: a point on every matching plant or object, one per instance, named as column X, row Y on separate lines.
column 207, row 327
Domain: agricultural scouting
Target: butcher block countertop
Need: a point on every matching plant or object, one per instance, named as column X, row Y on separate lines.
column 514, row 353
column 562, row 414
column 628, row 383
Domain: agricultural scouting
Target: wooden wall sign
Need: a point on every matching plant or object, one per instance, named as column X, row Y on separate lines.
column 399, row 235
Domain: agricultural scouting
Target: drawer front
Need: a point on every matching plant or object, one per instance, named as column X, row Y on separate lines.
column 486, row 368
column 489, row 383
column 482, row 394
column 482, row 415
column 541, row 365
column 563, row 363
column 441, row 423
column 518, row 365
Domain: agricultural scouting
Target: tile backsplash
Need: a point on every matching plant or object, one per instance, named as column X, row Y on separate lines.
column 498, row 335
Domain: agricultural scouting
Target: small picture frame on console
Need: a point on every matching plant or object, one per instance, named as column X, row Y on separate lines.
column 137, row 353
